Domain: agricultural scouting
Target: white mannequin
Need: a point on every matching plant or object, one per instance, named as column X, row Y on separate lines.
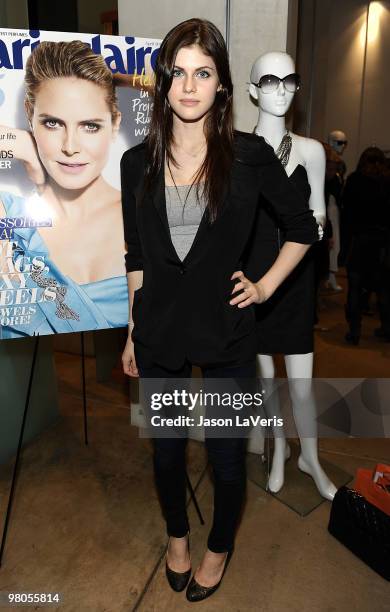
column 337, row 139
column 309, row 153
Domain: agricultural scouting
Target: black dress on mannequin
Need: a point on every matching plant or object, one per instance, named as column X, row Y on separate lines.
column 285, row 321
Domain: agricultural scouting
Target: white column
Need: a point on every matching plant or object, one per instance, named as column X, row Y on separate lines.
column 256, row 27
column 14, row 14
column 154, row 18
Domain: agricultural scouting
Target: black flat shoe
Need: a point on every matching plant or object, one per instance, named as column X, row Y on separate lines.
column 197, row 592
column 177, row 580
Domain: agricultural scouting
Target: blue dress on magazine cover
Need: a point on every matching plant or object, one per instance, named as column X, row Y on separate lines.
column 98, row 305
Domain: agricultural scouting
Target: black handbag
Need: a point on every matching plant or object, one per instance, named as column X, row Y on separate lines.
column 362, row 528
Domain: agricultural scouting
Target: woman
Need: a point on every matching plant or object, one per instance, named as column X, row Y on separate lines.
column 189, row 197
column 75, row 256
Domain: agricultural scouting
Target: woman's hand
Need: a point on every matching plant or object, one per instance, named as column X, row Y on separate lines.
column 25, row 150
column 128, row 358
column 253, row 293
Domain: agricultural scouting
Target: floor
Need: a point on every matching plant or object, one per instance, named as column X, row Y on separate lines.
column 86, row 521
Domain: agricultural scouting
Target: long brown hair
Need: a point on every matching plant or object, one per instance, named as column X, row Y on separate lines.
column 371, row 162
column 218, row 125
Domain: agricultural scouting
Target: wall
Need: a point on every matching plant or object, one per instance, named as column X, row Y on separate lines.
column 89, row 12
column 154, row 18
column 15, row 367
column 375, row 125
column 255, row 27
column 13, row 14
column 331, row 61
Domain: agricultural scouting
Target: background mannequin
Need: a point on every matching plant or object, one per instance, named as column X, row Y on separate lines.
column 306, row 168
column 337, row 139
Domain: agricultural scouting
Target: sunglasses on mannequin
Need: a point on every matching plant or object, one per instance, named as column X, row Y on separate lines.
column 341, row 142
column 270, row 82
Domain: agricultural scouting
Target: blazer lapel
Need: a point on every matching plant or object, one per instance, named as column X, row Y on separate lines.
column 158, row 198
column 205, row 227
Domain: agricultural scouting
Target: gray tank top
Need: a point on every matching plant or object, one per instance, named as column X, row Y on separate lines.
column 184, row 216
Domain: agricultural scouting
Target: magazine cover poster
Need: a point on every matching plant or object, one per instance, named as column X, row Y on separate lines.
column 70, row 105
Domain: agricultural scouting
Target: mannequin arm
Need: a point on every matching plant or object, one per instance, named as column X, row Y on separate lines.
column 315, row 168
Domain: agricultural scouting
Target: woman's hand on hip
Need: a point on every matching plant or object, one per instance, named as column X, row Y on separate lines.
column 128, row 359
column 251, row 293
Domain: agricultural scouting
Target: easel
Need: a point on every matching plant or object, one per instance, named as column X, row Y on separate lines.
column 19, row 449
column 21, row 435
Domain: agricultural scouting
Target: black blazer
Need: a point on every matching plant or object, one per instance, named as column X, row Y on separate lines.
column 182, row 310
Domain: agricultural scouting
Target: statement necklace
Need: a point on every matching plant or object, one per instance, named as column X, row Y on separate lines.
column 284, row 149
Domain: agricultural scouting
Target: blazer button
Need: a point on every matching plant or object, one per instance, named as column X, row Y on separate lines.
column 182, row 270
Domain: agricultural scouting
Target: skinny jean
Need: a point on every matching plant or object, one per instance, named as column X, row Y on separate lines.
column 226, row 456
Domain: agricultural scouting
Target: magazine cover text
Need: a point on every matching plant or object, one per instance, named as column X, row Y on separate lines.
column 70, row 105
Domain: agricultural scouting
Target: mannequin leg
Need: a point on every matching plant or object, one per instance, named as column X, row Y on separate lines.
column 272, row 408
column 301, row 367
column 332, row 282
column 333, row 216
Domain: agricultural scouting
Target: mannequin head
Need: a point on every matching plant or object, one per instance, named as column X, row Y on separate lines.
column 338, row 141
column 273, row 97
